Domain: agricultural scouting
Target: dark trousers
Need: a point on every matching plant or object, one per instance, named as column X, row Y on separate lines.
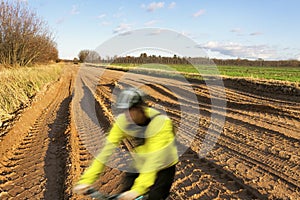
column 161, row 187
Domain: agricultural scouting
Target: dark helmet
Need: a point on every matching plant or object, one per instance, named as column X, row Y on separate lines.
column 129, row 98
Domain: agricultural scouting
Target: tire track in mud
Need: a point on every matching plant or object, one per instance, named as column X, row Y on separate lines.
column 251, row 160
column 105, row 96
column 257, row 156
column 192, row 191
column 197, row 177
column 247, row 147
column 250, row 140
column 92, row 120
column 35, row 168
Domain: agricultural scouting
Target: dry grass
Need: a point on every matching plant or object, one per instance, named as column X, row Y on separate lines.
column 19, row 85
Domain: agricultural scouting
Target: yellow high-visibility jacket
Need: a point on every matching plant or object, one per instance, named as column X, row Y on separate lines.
column 158, row 151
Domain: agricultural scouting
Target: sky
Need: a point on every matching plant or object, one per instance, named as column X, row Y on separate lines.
column 246, row 29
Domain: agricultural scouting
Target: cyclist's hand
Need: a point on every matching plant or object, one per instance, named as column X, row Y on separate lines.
column 129, row 195
column 81, row 188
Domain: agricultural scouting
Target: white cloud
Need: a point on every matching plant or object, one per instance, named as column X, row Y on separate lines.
column 238, row 50
column 236, row 30
column 118, row 15
column 185, row 34
column 101, row 16
column 199, row 13
column 151, row 23
column 256, row 33
column 153, row 6
column 172, row 5
column 74, row 10
column 155, row 32
column 105, row 23
column 103, row 19
column 122, row 28
column 60, row 20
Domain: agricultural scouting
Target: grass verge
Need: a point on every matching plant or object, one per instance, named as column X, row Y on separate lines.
column 19, row 85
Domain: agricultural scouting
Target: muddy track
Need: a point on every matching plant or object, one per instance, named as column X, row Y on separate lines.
column 34, row 165
column 256, row 156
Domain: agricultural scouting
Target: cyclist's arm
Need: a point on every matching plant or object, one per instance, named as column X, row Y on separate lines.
column 159, row 151
column 92, row 173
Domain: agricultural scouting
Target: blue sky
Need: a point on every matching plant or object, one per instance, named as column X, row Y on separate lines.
column 249, row 29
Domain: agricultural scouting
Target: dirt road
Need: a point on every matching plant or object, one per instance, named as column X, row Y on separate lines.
column 257, row 155
column 34, row 153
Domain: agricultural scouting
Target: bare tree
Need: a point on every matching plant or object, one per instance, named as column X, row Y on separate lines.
column 83, row 55
column 24, row 37
column 89, row 56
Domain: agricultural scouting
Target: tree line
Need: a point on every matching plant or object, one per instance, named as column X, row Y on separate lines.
column 24, row 37
column 92, row 56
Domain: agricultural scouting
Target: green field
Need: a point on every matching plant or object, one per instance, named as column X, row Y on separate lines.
column 291, row 74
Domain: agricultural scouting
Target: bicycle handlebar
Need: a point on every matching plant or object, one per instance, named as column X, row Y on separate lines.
column 97, row 195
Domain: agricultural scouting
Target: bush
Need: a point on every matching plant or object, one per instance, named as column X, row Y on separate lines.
column 24, row 37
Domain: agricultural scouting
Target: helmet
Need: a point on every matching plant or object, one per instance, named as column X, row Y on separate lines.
column 129, row 98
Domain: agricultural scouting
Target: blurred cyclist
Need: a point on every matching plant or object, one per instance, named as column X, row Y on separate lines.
column 154, row 155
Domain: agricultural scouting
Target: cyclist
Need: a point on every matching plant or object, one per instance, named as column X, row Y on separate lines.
column 154, row 157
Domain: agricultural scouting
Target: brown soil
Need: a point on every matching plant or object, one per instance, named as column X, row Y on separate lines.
column 257, row 156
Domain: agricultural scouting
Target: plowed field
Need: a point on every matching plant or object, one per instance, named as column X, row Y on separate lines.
column 256, row 156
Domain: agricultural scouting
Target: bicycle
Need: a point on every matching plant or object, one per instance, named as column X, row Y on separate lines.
column 95, row 194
